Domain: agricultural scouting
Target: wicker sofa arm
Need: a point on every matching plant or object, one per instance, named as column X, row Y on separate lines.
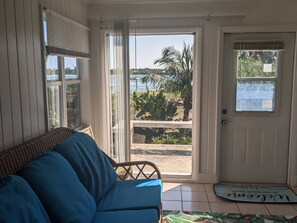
column 136, row 170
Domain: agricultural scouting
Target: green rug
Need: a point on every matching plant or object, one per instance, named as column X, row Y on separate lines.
column 204, row 217
column 256, row 194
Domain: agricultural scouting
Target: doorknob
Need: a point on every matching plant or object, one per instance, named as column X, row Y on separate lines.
column 224, row 122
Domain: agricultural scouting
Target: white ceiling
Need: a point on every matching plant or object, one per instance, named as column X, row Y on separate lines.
column 153, row 1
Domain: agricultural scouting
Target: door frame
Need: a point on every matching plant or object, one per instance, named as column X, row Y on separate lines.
column 196, row 102
column 292, row 161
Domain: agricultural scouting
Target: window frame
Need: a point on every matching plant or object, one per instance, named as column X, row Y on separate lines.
column 62, row 82
column 276, row 79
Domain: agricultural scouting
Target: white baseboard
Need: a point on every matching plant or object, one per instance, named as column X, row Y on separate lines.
column 210, row 178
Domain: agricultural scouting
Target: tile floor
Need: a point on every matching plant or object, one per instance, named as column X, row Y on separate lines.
column 200, row 197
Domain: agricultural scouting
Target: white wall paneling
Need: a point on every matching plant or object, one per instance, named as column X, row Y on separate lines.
column 72, row 9
column 22, row 65
column 22, row 101
column 40, row 97
column 6, row 108
column 30, row 67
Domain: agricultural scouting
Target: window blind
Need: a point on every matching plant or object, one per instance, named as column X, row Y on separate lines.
column 64, row 36
column 261, row 45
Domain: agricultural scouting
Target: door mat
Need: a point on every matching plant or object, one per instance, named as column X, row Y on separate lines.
column 208, row 217
column 256, row 194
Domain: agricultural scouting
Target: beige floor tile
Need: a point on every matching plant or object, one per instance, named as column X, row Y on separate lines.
column 212, row 197
column 172, row 205
column 224, row 207
column 172, row 195
column 281, row 209
column 193, row 187
column 194, row 196
column 208, row 187
column 196, row 206
column 246, row 208
column 171, row 186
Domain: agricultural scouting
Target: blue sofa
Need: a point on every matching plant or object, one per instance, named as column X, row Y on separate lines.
column 72, row 180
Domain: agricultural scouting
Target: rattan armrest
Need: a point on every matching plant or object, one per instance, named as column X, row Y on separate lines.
column 136, row 170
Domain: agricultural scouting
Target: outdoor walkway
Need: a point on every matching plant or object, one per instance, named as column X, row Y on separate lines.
column 171, row 159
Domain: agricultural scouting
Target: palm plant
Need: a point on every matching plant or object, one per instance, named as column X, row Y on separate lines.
column 178, row 75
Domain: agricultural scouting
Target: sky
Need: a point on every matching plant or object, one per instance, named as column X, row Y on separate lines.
column 149, row 48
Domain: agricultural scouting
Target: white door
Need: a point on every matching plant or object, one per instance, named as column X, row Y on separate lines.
column 256, row 104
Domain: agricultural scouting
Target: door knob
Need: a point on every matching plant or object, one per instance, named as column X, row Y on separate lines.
column 224, row 122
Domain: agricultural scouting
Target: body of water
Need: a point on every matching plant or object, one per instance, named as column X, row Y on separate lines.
column 136, row 84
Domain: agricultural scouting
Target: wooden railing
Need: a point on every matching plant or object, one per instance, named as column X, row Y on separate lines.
column 158, row 124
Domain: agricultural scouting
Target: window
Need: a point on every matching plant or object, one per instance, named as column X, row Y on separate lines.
column 256, row 80
column 63, row 91
column 256, row 75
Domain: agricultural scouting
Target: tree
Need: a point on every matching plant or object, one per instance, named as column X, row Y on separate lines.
column 178, row 75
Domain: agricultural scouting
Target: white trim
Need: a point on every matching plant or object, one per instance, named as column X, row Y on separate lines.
column 292, row 164
column 292, row 161
column 72, row 81
column 259, row 29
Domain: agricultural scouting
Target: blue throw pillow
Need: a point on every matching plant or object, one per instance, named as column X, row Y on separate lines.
column 90, row 164
column 19, row 203
column 63, row 196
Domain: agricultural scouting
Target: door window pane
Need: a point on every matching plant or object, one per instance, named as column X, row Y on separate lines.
column 54, row 107
column 73, row 105
column 52, row 68
column 256, row 79
column 255, row 95
column 71, row 68
column 257, row 64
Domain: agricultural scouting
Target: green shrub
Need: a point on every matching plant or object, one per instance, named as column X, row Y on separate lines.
column 172, row 138
column 151, row 106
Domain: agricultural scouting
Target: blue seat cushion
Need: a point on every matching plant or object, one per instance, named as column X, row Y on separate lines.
column 19, row 203
column 133, row 195
column 90, row 164
column 128, row 216
column 63, row 196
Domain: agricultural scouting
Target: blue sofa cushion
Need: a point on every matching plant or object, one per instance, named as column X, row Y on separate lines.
column 19, row 203
column 128, row 216
column 64, row 197
column 90, row 164
column 133, row 195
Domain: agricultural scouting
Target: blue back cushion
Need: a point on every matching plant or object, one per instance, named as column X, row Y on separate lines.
column 63, row 196
column 90, row 164
column 19, row 203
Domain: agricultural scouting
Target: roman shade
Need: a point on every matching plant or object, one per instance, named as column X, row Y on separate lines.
column 259, row 45
column 64, row 36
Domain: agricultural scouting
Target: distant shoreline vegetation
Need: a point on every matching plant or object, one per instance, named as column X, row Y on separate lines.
column 143, row 71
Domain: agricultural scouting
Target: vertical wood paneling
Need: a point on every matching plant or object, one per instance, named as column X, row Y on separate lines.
column 13, row 72
column 72, row 9
column 38, row 68
column 5, row 83
column 23, row 74
column 31, row 68
column 1, row 126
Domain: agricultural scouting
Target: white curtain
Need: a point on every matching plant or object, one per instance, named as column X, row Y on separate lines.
column 117, row 74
